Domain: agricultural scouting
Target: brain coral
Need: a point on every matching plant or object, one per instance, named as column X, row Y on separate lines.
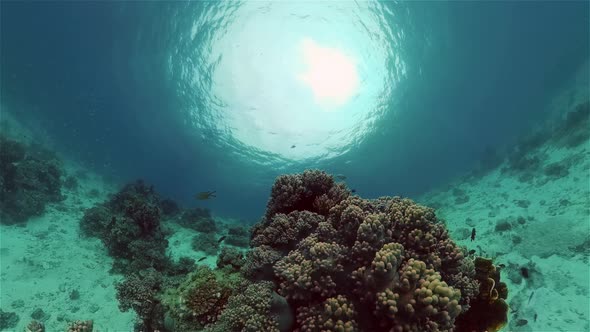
column 349, row 264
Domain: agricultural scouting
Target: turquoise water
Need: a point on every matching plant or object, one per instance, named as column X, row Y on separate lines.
column 476, row 109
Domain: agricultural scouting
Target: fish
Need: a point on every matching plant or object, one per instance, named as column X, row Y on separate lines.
column 521, row 322
column 530, row 297
column 473, row 234
column 535, row 317
column 293, row 146
column 353, row 190
column 221, row 239
column 202, row 259
column 204, row 195
column 501, row 266
column 525, row 272
column 471, row 252
column 340, row 177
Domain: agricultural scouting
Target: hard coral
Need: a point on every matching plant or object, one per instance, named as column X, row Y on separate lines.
column 354, row 264
column 200, row 298
column 255, row 308
column 30, row 178
column 140, row 293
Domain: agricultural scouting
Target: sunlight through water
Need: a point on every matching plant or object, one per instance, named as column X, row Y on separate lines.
column 297, row 81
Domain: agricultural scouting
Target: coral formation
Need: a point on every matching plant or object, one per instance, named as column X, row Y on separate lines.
column 231, row 258
column 80, row 326
column 205, row 242
column 30, row 178
column 35, row 326
column 349, row 264
column 489, row 311
column 8, row 319
column 238, row 236
column 129, row 226
column 139, row 291
column 199, row 220
column 199, row 299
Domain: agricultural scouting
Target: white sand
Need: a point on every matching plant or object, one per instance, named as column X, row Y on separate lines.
column 559, row 276
column 45, row 259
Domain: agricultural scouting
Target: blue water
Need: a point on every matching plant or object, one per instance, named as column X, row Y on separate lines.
column 140, row 89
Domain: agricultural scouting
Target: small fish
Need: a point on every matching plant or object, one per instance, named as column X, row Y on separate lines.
column 471, row 252
column 221, row 239
column 293, row 146
column 501, row 266
column 340, row 177
column 202, row 259
column 535, row 317
column 513, row 311
column 525, row 272
column 353, row 190
column 473, row 234
column 203, row 195
column 521, row 322
column 530, row 297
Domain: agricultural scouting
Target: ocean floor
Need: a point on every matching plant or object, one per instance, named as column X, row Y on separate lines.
column 540, row 224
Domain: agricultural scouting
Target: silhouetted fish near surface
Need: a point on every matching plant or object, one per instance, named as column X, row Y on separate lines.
column 353, row 190
column 202, row 259
column 473, row 234
column 292, row 146
column 221, row 238
column 203, row 195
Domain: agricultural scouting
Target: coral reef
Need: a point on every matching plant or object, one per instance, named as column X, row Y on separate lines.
column 80, row 326
column 255, row 307
column 238, row 236
column 199, row 299
column 198, row 219
column 205, row 242
column 489, row 311
column 169, row 208
column 30, row 178
column 139, row 291
column 35, row 326
column 129, row 226
column 231, row 258
column 349, row 264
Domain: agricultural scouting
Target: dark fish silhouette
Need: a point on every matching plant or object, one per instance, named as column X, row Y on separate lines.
column 201, row 259
column 292, row 146
column 472, row 251
column 525, row 272
column 353, row 190
column 473, row 234
column 221, row 238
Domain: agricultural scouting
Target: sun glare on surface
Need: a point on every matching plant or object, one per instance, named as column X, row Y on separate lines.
column 331, row 75
column 293, row 80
